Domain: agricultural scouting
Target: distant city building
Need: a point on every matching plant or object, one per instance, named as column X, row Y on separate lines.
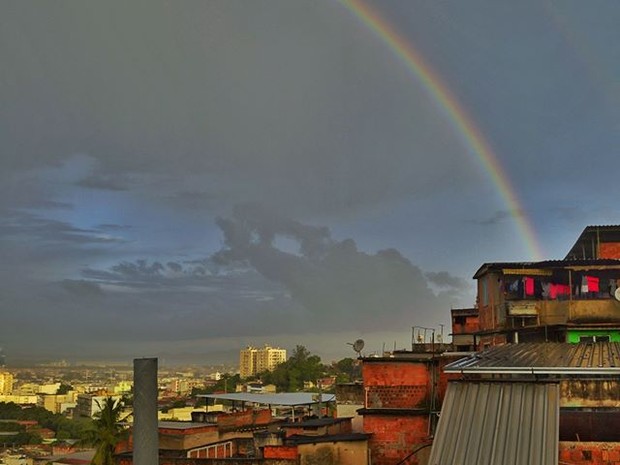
column 6, row 383
column 88, row 404
column 253, row 360
column 57, row 403
column 123, row 387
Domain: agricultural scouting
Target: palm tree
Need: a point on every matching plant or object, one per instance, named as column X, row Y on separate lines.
column 107, row 432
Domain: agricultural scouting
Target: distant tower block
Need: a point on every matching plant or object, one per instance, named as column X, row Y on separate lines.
column 145, row 434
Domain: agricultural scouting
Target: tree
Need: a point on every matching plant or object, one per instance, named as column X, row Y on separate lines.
column 64, row 388
column 346, row 370
column 290, row 375
column 107, row 431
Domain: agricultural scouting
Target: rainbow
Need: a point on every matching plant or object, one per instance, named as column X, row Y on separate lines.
column 456, row 115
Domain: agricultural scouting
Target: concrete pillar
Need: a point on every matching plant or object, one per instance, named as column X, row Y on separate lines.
column 145, row 433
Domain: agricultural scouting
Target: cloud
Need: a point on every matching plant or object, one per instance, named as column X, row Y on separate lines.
column 18, row 225
column 98, row 181
column 500, row 216
column 443, row 279
column 81, row 287
column 113, row 227
column 339, row 286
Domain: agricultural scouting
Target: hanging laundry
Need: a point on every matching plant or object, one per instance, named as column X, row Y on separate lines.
column 553, row 290
column 593, row 283
column 584, row 285
column 546, row 290
column 563, row 289
column 529, row 286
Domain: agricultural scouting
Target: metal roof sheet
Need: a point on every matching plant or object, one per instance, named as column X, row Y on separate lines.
column 285, row 398
column 498, row 424
column 547, row 264
column 543, row 358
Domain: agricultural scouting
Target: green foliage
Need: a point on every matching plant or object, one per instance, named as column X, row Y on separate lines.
column 64, row 388
column 290, row 375
column 346, row 370
column 62, row 426
column 106, row 431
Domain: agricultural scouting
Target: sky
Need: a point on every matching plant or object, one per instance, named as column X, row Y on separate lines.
column 183, row 179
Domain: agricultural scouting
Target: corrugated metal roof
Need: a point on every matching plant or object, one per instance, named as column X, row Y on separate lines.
column 543, row 357
column 546, row 264
column 284, row 398
column 498, row 424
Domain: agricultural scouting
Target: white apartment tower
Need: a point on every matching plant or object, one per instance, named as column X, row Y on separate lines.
column 253, row 360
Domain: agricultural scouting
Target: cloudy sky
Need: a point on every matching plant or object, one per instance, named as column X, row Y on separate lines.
column 180, row 179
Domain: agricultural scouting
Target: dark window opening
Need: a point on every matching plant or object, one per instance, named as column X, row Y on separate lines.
column 592, row 339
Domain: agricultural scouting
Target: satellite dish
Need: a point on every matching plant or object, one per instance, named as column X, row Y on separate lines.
column 617, row 294
column 357, row 346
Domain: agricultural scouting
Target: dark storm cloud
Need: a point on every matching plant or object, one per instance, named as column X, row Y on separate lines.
column 250, row 288
column 339, row 285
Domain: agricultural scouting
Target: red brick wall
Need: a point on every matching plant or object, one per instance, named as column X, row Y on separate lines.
column 396, row 384
column 395, row 437
column 280, row 452
column 227, row 421
column 589, row 453
column 609, row 250
column 409, row 373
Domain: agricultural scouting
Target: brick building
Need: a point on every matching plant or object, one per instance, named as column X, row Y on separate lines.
column 403, row 392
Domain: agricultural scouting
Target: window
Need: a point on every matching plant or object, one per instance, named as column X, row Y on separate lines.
column 484, row 291
column 592, row 339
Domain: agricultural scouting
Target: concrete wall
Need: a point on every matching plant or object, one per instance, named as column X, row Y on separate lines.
column 590, row 393
column 337, row 453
